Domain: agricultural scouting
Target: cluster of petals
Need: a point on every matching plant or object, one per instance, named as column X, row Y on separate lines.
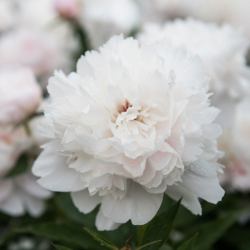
column 134, row 122
column 22, row 194
column 20, row 94
column 236, row 142
column 222, row 49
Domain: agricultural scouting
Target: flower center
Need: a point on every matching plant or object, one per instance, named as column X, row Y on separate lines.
column 126, row 105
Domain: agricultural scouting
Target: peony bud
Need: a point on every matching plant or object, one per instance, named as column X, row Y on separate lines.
column 67, row 9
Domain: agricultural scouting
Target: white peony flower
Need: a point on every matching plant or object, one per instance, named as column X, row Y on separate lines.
column 236, row 142
column 22, row 194
column 20, row 94
column 132, row 123
column 221, row 48
column 105, row 18
column 32, row 48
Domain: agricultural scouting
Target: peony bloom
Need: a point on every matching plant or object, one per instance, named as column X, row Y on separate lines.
column 134, row 122
column 105, row 18
column 221, row 48
column 236, row 142
column 20, row 94
column 31, row 48
column 22, row 194
column 68, row 9
column 12, row 143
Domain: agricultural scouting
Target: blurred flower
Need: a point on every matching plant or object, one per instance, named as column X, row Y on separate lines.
column 233, row 12
column 105, row 18
column 68, row 9
column 22, row 194
column 222, row 49
column 20, row 94
column 7, row 16
column 12, row 143
column 132, row 123
column 30, row 48
column 36, row 14
column 236, row 142
column 28, row 243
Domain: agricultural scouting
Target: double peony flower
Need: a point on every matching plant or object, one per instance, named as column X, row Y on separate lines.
column 134, row 122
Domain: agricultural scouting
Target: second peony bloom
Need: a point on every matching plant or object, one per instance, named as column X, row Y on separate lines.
column 134, row 122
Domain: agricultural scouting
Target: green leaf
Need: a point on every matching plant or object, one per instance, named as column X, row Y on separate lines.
column 63, row 232
column 101, row 240
column 151, row 243
column 160, row 227
column 213, row 231
column 188, row 245
column 20, row 167
column 166, row 247
column 60, row 247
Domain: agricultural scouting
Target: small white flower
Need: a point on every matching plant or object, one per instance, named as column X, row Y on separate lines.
column 134, row 122
column 22, row 194
column 105, row 18
column 20, row 94
column 221, row 48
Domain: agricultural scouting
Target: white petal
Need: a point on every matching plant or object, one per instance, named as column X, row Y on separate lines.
column 6, row 186
column 84, row 202
column 103, row 223
column 138, row 205
column 54, row 171
column 189, row 200
column 13, row 205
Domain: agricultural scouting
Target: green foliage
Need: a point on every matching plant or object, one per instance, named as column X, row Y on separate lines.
column 160, row 227
column 61, row 247
column 20, row 167
column 148, row 244
column 102, row 240
column 188, row 245
column 62, row 232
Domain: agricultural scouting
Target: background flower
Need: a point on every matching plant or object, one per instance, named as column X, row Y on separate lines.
column 20, row 94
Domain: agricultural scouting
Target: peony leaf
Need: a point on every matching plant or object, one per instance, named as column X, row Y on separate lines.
column 160, row 227
column 151, row 243
column 214, row 230
column 20, row 167
column 188, row 245
column 63, row 232
column 60, row 247
column 102, row 240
